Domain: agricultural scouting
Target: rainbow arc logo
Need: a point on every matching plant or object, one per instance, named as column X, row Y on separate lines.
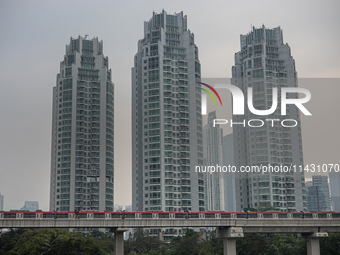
column 209, row 93
column 204, row 97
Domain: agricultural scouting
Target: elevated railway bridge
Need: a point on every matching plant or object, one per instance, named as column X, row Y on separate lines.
column 230, row 225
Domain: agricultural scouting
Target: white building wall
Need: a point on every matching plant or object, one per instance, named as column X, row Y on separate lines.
column 82, row 152
column 215, row 186
column 265, row 62
column 334, row 179
column 166, row 119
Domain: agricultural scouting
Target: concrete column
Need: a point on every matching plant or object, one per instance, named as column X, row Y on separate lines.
column 229, row 246
column 160, row 236
column 229, row 236
column 313, row 246
column 313, row 242
column 119, row 240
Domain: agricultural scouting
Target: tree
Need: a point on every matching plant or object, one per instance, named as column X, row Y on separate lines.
column 250, row 209
column 9, row 239
column 331, row 244
column 267, row 208
column 104, row 241
column 251, row 244
column 217, row 244
column 189, row 244
column 47, row 242
column 286, row 244
column 144, row 244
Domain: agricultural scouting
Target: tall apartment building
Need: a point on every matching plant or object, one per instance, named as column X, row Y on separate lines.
column 228, row 159
column 166, row 118
column 318, row 199
column 1, row 202
column 30, row 206
column 82, row 130
column 214, row 184
column 334, row 183
column 263, row 63
column 118, row 208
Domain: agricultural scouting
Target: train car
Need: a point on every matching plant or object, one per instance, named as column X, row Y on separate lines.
column 91, row 215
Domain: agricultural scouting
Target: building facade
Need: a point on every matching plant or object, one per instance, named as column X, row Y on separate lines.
column 334, row 182
column 263, row 63
column 118, row 208
column 228, row 159
column 128, row 234
column 1, row 202
column 166, row 118
column 30, row 206
column 82, row 130
column 318, row 199
column 214, row 184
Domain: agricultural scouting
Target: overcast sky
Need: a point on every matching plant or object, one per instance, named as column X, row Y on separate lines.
column 33, row 37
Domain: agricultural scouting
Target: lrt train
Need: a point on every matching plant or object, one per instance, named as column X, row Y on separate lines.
column 4, row 215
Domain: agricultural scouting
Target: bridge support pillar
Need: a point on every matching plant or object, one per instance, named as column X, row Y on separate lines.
column 313, row 242
column 160, row 236
column 229, row 236
column 118, row 240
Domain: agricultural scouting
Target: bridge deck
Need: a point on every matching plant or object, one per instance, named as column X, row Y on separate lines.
column 249, row 225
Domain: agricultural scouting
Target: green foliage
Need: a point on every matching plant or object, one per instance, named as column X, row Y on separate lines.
column 331, row 244
column 250, row 209
column 9, row 240
column 47, row 242
column 273, row 244
column 104, row 241
column 144, row 244
column 187, row 245
column 190, row 244
column 61, row 241
column 267, row 208
column 251, row 244
column 286, row 244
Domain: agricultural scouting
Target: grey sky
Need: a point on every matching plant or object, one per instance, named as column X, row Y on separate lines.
column 33, row 39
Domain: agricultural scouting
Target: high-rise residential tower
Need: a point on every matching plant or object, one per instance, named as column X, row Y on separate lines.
column 166, row 118
column 334, row 183
column 318, row 199
column 228, row 159
column 1, row 202
column 30, row 206
column 264, row 63
column 82, row 130
column 214, row 183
